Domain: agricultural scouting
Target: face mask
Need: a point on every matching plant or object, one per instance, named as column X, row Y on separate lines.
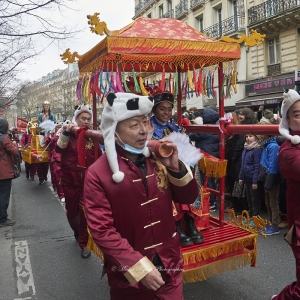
column 130, row 149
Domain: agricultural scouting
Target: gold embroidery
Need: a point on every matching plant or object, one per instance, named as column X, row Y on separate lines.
column 89, row 144
column 162, row 178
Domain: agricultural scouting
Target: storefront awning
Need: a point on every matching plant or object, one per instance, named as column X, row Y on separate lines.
column 268, row 99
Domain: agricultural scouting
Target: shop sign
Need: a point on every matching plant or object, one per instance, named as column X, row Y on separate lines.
column 270, row 86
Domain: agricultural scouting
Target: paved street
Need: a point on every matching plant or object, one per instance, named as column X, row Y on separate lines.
column 40, row 259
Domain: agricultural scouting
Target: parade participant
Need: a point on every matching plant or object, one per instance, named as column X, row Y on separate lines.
column 128, row 203
column 55, row 162
column 160, row 121
column 289, row 156
column 42, row 168
column 31, row 169
column 46, row 113
column 7, row 150
column 73, row 172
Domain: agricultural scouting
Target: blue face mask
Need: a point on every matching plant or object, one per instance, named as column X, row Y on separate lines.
column 131, row 149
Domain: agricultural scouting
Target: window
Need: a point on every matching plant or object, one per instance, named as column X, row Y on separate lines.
column 149, row 16
column 169, row 5
column 160, row 11
column 199, row 23
column 219, row 15
column 274, row 51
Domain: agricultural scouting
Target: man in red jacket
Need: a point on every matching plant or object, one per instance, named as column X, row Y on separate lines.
column 128, row 197
column 289, row 163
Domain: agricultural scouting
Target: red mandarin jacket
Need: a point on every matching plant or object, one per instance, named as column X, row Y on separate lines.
column 289, row 163
column 132, row 221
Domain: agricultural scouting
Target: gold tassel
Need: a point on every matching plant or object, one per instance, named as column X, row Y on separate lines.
column 144, row 91
column 220, row 249
column 191, row 84
column 215, row 268
column 92, row 246
column 213, row 167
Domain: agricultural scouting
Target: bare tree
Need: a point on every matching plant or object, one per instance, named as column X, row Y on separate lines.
column 21, row 21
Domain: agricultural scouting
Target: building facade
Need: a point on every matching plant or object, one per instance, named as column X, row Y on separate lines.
column 263, row 71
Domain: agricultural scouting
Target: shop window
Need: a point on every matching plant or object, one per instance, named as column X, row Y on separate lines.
column 169, row 5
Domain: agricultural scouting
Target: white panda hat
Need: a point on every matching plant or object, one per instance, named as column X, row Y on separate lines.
column 289, row 98
column 120, row 107
column 80, row 109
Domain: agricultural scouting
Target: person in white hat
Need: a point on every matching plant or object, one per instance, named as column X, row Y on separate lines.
column 77, row 154
column 289, row 163
column 128, row 203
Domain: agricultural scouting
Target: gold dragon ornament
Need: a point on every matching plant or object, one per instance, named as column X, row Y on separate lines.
column 67, row 57
column 255, row 39
column 99, row 27
column 243, row 221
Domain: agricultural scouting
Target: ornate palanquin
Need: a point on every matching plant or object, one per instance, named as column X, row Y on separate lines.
column 168, row 45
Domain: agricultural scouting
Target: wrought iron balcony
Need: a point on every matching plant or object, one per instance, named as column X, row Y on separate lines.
column 196, row 3
column 147, row 2
column 168, row 14
column 270, row 8
column 274, row 69
column 181, row 9
column 228, row 26
column 139, row 8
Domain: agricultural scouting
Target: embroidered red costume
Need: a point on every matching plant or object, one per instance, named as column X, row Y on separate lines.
column 132, row 223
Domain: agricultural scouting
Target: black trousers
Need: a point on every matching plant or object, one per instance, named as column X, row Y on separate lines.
column 5, row 188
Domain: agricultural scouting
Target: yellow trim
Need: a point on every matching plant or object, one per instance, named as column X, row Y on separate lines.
column 92, row 246
column 151, row 224
column 184, row 180
column 222, row 248
column 209, row 270
column 139, row 270
column 213, row 168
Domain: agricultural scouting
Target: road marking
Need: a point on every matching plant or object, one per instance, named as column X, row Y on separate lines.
column 25, row 282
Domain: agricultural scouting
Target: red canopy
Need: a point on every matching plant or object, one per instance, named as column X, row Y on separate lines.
column 153, row 44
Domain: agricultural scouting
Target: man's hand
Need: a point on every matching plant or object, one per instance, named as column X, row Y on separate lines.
column 68, row 127
column 254, row 186
column 153, row 280
column 241, row 182
column 172, row 161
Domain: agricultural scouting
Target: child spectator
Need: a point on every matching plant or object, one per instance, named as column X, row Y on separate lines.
column 270, row 176
column 249, row 173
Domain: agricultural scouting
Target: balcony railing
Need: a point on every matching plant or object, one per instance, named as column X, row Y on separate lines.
column 226, row 27
column 138, row 8
column 269, row 9
column 274, row 69
column 147, row 2
column 196, row 3
column 181, row 8
column 168, row 14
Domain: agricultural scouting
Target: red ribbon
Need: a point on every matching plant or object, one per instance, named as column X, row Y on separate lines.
column 81, row 145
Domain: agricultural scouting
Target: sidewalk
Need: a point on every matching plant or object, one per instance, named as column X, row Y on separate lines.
column 7, row 283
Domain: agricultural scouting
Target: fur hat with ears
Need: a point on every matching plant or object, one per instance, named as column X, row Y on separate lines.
column 80, row 109
column 120, row 107
column 289, row 98
column 268, row 114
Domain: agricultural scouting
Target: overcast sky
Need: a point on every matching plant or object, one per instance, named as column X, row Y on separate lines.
column 116, row 14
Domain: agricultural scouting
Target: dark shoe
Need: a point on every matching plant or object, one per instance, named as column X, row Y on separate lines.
column 41, row 182
column 32, row 179
column 85, row 253
column 184, row 239
column 46, row 178
column 8, row 222
column 27, row 176
column 192, row 230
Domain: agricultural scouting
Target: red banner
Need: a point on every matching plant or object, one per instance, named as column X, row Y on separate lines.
column 21, row 124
